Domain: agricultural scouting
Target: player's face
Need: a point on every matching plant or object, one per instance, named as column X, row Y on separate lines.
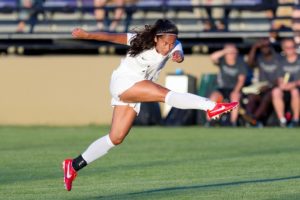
column 165, row 43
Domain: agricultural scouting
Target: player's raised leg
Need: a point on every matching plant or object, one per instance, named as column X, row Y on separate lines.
column 147, row 91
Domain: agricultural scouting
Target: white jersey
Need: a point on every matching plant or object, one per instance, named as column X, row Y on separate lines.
column 147, row 64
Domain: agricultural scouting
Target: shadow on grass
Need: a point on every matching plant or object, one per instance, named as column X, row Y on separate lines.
column 192, row 187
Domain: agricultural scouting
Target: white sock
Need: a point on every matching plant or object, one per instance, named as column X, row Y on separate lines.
column 97, row 149
column 188, row 101
column 282, row 120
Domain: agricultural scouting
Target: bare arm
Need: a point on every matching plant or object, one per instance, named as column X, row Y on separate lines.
column 251, row 55
column 118, row 38
column 215, row 57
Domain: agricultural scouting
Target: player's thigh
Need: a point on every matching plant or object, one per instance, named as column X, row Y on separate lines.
column 145, row 91
column 122, row 120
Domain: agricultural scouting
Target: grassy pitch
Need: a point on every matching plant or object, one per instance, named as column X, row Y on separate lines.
column 153, row 163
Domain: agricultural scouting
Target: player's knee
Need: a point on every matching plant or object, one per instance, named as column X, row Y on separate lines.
column 161, row 93
column 117, row 139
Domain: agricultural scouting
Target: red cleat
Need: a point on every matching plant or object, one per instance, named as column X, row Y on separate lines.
column 69, row 174
column 220, row 109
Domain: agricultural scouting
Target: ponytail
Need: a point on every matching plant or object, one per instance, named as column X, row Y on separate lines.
column 144, row 39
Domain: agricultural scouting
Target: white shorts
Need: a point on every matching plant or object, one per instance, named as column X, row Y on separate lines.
column 120, row 82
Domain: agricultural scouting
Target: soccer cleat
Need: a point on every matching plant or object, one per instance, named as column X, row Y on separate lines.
column 220, row 109
column 69, row 174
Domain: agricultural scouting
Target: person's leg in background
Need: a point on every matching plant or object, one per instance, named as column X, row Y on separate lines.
column 278, row 104
column 216, row 96
column 234, row 96
column 24, row 14
column 223, row 25
column 99, row 13
column 264, row 107
column 209, row 24
column 118, row 14
column 295, row 106
column 253, row 102
column 37, row 6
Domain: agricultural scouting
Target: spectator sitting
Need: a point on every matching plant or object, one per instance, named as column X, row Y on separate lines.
column 288, row 84
column 264, row 57
column 282, row 24
column 232, row 76
column 100, row 13
column 268, row 6
column 28, row 13
column 222, row 25
column 24, row 14
column 210, row 24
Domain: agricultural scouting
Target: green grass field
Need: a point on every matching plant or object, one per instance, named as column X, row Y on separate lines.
column 153, row 163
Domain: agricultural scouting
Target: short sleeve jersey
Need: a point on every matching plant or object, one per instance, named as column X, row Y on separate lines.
column 293, row 69
column 228, row 76
column 149, row 63
column 268, row 69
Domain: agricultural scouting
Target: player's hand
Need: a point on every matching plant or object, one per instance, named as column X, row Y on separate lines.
column 79, row 33
column 177, row 56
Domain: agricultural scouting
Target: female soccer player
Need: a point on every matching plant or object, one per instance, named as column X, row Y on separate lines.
column 132, row 83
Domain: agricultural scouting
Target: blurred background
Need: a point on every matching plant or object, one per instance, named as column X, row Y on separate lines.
column 48, row 78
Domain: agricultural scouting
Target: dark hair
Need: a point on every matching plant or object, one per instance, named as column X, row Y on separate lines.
column 144, row 38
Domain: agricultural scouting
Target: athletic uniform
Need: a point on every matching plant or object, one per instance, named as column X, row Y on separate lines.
column 145, row 66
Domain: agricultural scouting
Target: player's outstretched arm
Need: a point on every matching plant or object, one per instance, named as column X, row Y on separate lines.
column 118, row 38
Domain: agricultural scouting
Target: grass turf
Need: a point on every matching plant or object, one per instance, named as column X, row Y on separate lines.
column 153, row 163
